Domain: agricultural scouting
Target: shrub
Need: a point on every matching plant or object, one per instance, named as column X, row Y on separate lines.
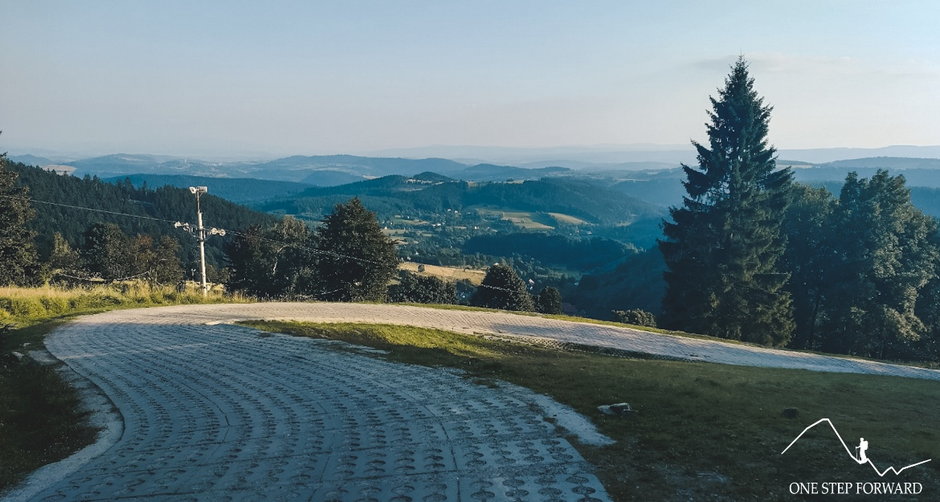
column 636, row 317
column 549, row 301
column 412, row 288
column 503, row 289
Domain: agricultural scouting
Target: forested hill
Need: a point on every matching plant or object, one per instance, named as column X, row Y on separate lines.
column 427, row 193
column 164, row 203
column 239, row 190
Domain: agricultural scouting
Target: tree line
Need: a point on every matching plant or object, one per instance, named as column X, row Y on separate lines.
column 346, row 257
column 750, row 255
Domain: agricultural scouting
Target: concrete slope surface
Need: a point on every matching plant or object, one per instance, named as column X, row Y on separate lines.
column 213, row 411
column 543, row 330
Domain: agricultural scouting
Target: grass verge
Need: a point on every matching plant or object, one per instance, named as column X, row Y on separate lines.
column 701, row 431
column 661, row 331
column 40, row 418
column 40, row 414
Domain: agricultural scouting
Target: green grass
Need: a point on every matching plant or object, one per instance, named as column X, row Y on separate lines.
column 40, row 417
column 701, row 431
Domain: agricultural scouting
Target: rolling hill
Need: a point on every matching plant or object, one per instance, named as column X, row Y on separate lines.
column 431, row 193
column 239, row 190
column 134, row 210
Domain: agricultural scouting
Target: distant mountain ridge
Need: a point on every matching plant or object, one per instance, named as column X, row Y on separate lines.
column 322, row 170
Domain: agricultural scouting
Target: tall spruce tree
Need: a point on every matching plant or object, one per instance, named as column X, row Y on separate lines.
column 18, row 260
column 723, row 245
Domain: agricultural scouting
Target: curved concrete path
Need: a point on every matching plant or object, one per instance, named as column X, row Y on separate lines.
column 215, row 411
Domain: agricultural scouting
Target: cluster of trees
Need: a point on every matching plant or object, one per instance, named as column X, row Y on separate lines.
column 414, row 288
column 752, row 256
column 347, row 258
column 863, row 270
column 136, row 210
column 107, row 253
column 503, row 289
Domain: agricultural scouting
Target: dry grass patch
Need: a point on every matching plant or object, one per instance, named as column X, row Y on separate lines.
column 449, row 274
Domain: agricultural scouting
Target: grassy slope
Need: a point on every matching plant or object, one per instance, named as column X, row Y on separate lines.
column 40, row 416
column 701, row 431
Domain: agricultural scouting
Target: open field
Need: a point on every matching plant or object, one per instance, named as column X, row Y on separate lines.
column 699, row 431
column 567, row 219
column 522, row 219
column 449, row 274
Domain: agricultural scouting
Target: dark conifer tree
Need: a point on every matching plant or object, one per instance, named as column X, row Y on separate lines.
column 810, row 259
column 723, row 245
column 247, row 260
column 18, row 259
column 356, row 259
column 549, row 301
column 503, row 289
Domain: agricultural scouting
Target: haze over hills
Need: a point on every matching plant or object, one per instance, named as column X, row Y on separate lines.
column 605, row 155
column 658, row 183
column 323, row 170
column 447, row 160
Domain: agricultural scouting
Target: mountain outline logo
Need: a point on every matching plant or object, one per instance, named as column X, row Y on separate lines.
column 861, row 457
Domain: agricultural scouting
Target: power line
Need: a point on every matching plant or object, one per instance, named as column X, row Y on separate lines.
column 116, row 213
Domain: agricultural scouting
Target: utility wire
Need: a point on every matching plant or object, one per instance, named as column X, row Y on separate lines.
column 116, row 213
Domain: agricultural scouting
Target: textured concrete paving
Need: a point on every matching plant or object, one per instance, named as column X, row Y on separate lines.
column 212, row 411
column 221, row 412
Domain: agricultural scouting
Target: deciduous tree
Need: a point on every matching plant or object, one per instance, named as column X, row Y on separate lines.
column 885, row 256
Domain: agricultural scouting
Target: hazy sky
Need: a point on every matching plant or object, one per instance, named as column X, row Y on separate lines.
column 226, row 78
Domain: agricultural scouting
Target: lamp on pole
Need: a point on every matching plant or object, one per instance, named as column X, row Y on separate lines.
column 200, row 233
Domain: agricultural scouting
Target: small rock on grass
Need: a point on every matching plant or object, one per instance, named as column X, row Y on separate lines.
column 616, row 409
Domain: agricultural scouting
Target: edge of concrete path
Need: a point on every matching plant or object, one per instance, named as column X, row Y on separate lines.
column 103, row 415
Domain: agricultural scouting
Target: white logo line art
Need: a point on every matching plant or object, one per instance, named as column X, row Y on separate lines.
column 862, row 456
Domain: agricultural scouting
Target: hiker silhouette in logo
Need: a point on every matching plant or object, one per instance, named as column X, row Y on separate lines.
column 861, row 448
